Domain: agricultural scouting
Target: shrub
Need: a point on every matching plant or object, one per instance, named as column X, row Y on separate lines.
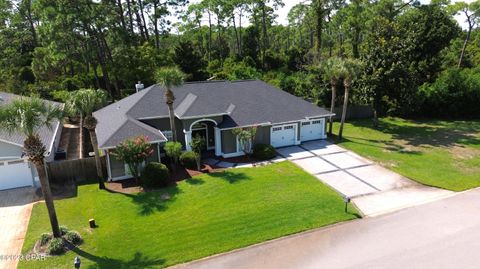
column 63, row 230
column 173, row 150
column 155, row 175
column 56, row 246
column 73, row 237
column 264, row 152
column 44, row 238
column 189, row 159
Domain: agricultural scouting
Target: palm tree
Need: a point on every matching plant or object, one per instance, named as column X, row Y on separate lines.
column 27, row 116
column 169, row 77
column 332, row 69
column 350, row 71
column 83, row 103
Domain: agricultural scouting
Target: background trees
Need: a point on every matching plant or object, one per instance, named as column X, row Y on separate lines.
column 47, row 46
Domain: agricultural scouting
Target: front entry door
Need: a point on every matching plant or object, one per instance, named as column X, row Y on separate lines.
column 203, row 134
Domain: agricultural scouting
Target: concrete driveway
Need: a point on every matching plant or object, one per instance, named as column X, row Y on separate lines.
column 15, row 210
column 374, row 189
column 442, row 234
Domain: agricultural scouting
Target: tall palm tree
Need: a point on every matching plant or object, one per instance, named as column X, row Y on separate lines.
column 169, row 77
column 27, row 116
column 350, row 71
column 332, row 70
column 83, row 103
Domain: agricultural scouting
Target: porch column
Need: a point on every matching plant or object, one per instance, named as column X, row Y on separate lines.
column 188, row 139
column 218, row 142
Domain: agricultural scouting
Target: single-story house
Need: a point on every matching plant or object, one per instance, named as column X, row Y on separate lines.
column 210, row 109
column 15, row 170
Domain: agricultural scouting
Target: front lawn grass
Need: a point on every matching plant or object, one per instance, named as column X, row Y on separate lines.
column 438, row 153
column 208, row 214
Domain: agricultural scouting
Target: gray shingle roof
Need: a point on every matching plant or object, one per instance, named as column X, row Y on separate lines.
column 242, row 103
column 115, row 125
column 47, row 135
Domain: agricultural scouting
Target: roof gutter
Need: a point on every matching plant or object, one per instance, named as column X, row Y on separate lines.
column 150, row 142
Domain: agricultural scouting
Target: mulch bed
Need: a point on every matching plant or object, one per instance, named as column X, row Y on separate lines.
column 239, row 159
column 181, row 173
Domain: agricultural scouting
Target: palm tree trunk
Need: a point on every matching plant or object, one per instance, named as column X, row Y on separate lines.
column 81, row 137
column 169, row 99
column 332, row 107
column 344, row 111
column 98, row 163
column 47, row 195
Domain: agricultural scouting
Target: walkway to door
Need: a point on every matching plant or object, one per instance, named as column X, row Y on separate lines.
column 373, row 189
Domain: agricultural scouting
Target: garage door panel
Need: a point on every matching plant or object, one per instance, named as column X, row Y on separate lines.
column 15, row 175
column 283, row 136
column 312, row 130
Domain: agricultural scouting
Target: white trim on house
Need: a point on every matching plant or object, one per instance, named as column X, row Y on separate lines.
column 150, row 142
column 154, row 118
column 201, row 116
column 245, row 126
column 11, row 143
column 200, row 120
column 218, row 141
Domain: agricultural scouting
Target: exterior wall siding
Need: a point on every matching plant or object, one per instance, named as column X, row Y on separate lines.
column 163, row 124
column 9, row 150
column 229, row 142
column 263, row 135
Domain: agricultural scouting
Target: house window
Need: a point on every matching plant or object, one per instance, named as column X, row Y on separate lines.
column 316, row 122
column 288, row 127
column 276, row 129
column 305, row 123
column 168, row 135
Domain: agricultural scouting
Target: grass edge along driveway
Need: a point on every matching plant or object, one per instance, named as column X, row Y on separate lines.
column 205, row 215
column 438, row 153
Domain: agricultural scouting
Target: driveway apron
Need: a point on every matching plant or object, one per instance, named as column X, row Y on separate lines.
column 15, row 210
column 372, row 188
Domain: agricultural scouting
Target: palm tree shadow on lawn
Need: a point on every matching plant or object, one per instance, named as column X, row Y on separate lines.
column 152, row 201
column 230, row 177
column 139, row 261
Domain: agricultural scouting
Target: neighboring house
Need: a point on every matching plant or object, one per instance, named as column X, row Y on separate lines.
column 211, row 110
column 15, row 170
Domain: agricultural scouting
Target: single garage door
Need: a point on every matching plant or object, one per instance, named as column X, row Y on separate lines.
column 15, row 174
column 312, row 130
column 283, row 135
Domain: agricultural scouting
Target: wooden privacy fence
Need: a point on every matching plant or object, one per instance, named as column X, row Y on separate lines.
column 78, row 170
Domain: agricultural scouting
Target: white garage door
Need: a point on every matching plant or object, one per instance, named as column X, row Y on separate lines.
column 283, row 135
column 15, row 174
column 312, row 130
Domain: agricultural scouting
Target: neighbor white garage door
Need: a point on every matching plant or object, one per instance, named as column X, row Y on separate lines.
column 283, row 135
column 15, row 174
column 312, row 130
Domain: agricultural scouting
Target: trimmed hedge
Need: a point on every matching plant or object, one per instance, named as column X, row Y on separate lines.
column 56, row 246
column 155, row 175
column 189, row 159
column 73, row 237
column 264, row 152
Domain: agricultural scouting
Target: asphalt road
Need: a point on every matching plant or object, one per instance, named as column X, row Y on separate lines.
column 442, row 234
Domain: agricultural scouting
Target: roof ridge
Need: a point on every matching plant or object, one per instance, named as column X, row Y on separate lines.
column 206, row 81
column 145, row 92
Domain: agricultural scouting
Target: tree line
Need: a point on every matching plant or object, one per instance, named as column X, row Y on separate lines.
column 416, row 58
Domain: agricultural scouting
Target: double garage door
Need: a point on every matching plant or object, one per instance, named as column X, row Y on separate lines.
column 15, row 174
column 285, row 135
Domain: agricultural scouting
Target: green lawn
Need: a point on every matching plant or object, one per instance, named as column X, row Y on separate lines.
column 208, row 214
column 444, row 154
